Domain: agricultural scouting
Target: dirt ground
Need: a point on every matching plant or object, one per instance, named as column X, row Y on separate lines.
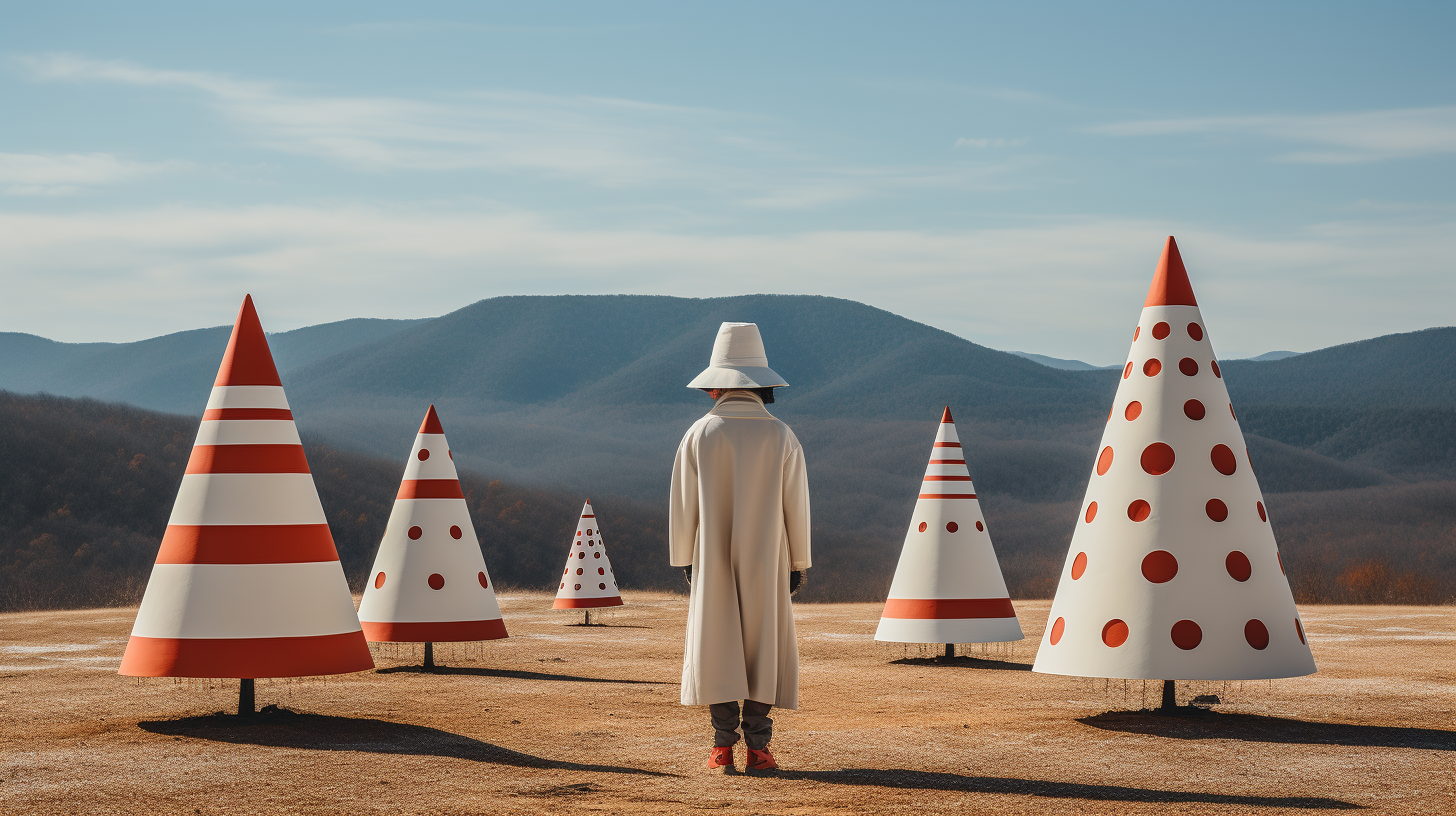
column 570, row 719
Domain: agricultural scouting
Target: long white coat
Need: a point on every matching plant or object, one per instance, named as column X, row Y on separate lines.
column 740, row 517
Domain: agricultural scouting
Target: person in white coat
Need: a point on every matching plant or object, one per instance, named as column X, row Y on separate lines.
column 739, row 525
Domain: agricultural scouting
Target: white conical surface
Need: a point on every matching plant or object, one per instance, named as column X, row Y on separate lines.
column 587, row 582
column 1173, row 572
column 948, row 586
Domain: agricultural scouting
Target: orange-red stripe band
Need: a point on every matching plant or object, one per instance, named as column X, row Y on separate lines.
column 947, row 461
column 430, row 489
column 934, row 478
column 247, row 459
column 947, row 444
column 247, row 413
column 586, row 603
column 949, row 608
column 947, row 495
column 247, row 544
column 438, row 631
column 246, row 657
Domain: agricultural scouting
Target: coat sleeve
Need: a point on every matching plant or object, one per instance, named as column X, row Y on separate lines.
column 796, row 505
column 682, row 521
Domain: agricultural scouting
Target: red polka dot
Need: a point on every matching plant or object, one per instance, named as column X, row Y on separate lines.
column 568, row 569
column 1263, row 516
column 563, row 586
column 456, row 533
column 579, row 570
column 591, row 543
column 596, row 555
column 1091, row 512
column 601, row 571
column 923, row 525
column 1188, row 366
column 1257, row 634
column 581, row 555
column 1223, row 460
column 437, row 581
column 1238, row 566
column 1299, row 630
column 1109, row 413
column 588, row 531
column 1216, row 509
column 951, row 527
column 1127, row 372
column 1139, row 510
column 578, row 532
column 484, row 582
column 1133, row 411
column 423, row 454
column 1235, row 416
column 1057, row 628
column 1114, row 633
column 1281, row 563
column 1157, row 459
column 1194, row 410
column 980, row 528
column 1213, row 364
column 1161, row 331
column 1135, row 332
column 1195, row 331
column 1104, row 461
column 1152, row 367
column 379, row 580
column 1187, row 635
column 601, row 586
column 450, row 454
column 415, row 533
column 578, row 586
column 1159, row 566
column 1079, row 565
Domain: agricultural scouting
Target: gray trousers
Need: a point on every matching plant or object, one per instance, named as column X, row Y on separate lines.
column 757, row 727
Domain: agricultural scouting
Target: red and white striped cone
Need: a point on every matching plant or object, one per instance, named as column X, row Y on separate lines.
column 948, row 586
column 1173, row 572
column 587, row 582
column 429, row 581
column 247, row 582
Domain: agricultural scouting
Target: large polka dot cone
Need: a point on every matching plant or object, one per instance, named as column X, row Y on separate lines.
column 948, row 586
column 247, row 582
column 1173, row 572
column 587, row 582
column 429, row 581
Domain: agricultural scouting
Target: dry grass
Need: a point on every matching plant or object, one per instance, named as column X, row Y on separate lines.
column 585, row 720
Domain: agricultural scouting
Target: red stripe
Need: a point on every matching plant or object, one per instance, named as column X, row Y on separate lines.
column 430, row 489
column 947, row 495
column 947, row 461
column 588, row 516
column 586, row 603
column 247, row 413
column 932, row 478
column 246, row 657
column 247, row 544
column 247, row 459
column 949, row 608
column 947, row 444
column 437, row 632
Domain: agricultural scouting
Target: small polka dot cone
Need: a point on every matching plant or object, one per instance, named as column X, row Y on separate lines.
column 587, row 582
column 1173, row 572
column 429, row 581
column 247, row 581
column 948, row 586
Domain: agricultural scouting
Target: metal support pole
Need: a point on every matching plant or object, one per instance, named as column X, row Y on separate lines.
column 1170, row 696
column 950, row 650
column 429, row 657
column 245, row 697
column 587, row 620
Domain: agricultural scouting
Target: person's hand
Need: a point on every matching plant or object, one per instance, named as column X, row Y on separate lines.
column 796, row 581
column 688, row 574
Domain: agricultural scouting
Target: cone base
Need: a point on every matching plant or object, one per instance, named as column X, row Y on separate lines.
column 246, row 657
column 948, row 630
column 434, row 631
column 586, row 603
column 1270, row 667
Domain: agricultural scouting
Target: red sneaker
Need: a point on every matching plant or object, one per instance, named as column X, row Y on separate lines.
column 721, row 758
column 761, row 761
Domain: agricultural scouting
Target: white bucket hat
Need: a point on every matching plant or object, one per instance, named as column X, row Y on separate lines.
column 738, row 361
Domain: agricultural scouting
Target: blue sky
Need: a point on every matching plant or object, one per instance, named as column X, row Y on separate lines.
column 1003, row 171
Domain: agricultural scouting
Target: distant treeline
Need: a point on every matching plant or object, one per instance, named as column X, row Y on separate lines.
column 86, row 489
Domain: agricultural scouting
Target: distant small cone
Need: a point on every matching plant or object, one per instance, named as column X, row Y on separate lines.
column 587, row 582
column 1173, row 572
column 948, row 586
column 247, row 582
column 429, row 582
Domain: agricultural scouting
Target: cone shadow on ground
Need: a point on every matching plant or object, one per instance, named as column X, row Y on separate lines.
column 928, row 780
column 477, row 671
column 1255, row 728
column 281, row 728
column 963, row 663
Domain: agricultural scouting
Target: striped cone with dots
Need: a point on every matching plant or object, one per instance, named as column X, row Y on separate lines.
column 247, row 582
column 587, row 582
column 429, row 582
column 1173, row 572
column 948, row 586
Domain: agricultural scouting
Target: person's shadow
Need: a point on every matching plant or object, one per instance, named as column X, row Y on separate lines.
column 963, row 662
column 513, row 674
column 1256, row 728
column 281, row 728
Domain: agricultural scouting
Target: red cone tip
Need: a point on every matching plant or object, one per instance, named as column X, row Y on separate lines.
column 431, row 425
column 247, row 360
column 945, row 417
column 1170, row 283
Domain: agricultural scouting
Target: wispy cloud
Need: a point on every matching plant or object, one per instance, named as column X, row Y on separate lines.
column 967, row 142
column 57, row 174
column 1331, row 138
